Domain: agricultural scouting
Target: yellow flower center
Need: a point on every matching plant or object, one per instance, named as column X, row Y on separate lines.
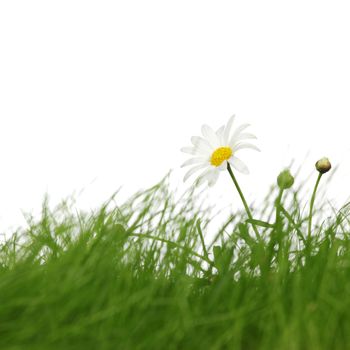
column 219, row 155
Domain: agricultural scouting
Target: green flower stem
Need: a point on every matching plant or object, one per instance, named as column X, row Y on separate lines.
column 250, row 216
column 312, row 204
column 278, row 207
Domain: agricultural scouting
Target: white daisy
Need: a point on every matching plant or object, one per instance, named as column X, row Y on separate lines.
column 215, row 150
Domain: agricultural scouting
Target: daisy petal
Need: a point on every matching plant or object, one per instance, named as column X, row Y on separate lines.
column 204, row 176
column 245, row 136
column 220, row 134
column 192, row 161
column 210, row 135
column 239, row 165
column 223, row 166
column 244, row 145
column 228, row 129
column 237, row 132
column 188, row 150
column 194, row 170
column 220, row 130
column 201, row 144
column 213, row 178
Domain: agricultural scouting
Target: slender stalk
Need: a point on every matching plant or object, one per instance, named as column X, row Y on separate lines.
column 278, row 207
column 250, row 216
column 275, row 236
column 312, row 204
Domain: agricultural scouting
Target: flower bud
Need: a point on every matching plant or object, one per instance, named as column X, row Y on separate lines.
column 285, row 180
column 323, row 165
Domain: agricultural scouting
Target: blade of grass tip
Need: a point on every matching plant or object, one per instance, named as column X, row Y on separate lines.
column 345, row 209
column 265, row 203
column 198, row 225
column 260, row 223
column 339, row 217
column 173, row 244
column 290, row 219
column 221, row 231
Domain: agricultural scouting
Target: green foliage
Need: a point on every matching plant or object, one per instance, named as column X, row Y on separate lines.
column 145, row 275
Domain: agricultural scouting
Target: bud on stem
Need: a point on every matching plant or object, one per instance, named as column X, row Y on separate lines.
column 285, row 180
column 323, row 165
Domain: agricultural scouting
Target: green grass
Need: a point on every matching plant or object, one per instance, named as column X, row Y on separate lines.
column 137, row 276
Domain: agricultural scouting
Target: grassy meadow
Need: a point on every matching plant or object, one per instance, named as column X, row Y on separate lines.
column 146, row 275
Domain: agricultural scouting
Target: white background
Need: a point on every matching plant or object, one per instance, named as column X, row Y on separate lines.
column 99, row 94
